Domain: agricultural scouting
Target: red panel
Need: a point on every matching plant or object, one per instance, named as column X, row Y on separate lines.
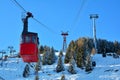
column 30, row 58
column 28, row 48
column 29, row 52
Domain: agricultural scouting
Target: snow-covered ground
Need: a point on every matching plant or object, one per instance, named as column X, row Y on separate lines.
column 106, row 69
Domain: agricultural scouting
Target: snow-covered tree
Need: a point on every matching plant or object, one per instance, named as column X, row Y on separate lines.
column 45, row 58
column 88, row 66
column 48, row 56
column 51, row 57
column 26, row 71
column 67, row 56
column 60, row 65
column 60, row 54
column 70, row 51
column 79, row 60
column 71, row 67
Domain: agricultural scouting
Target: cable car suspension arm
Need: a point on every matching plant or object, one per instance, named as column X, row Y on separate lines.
column 23, row 9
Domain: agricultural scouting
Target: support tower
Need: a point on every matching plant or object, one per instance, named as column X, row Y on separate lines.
column 64, row 34
column 94, row 17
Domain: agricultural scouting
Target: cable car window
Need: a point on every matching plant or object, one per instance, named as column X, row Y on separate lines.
column 33, row 39
column 27, row 39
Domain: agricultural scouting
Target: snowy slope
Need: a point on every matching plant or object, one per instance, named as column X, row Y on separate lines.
column 106, row 69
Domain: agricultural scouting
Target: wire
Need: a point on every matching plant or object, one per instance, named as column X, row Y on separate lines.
column 79, row 13
column 23, row 9
column 19, row 5
column 77, row 16
column 45, row 26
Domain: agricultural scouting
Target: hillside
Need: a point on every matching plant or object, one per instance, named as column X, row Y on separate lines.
column 106, row 69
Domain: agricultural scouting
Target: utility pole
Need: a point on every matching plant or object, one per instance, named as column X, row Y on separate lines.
column 64, row 34
column 11, row 48
column 94, row 17
column 2, row 52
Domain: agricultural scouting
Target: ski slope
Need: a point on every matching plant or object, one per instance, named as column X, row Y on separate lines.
column 106, row 69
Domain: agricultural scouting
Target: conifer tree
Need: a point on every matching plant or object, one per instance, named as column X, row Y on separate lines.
column 45, row 58
column 70, row 51
column 61, row 53
column 51, row 57
column 79, row 59
column 67, row 56
column 26, row 71
column 41, row 49
column 116, row 46
column 60, row 65
column 48, row 56
column 71, row 67
column 88, row 66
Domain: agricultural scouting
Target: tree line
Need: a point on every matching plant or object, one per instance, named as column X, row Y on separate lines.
column 82, row 49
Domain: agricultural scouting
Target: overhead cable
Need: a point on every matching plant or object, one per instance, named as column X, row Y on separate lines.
column 44, row 26
column 23, row 9
column 79, row 12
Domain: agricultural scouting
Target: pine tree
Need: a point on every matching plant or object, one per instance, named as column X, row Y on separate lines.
column 41, row 49
column 71, row 67
column 53, row 53
column 45, row 58
column 26, row 71
column 118, row 52
column 61, row 53
column 51, row 57
column 116, row 46
column 88, row 66
column 48, row 56
column 70, row 51
column 67, row 56
column 79, row 59
column 60, row 65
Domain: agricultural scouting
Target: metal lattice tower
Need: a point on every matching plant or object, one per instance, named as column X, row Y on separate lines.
column 94, row 17
column 64, row 34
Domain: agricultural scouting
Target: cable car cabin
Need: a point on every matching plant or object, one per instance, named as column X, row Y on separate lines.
column 29, row 47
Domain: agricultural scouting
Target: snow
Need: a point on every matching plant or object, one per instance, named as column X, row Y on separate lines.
column 106, row 68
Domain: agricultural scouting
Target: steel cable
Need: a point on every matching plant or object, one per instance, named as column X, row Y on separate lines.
column 25, row 11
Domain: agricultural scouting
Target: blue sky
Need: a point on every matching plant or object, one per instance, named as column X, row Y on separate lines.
column 59, row 15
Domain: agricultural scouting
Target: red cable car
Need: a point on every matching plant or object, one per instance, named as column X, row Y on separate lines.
column 29, row 43
column 29, row 47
